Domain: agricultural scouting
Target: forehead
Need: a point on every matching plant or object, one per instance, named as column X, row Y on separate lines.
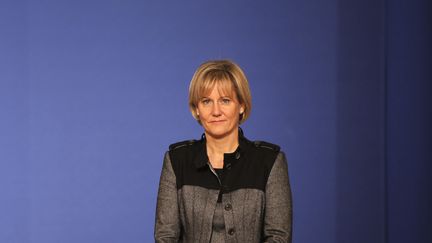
column 222, row 87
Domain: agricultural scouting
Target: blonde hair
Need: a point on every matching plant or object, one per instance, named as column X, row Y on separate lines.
column 229, row 77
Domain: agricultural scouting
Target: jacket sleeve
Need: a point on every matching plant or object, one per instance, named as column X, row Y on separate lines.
column 278, row 206
column 167, row 226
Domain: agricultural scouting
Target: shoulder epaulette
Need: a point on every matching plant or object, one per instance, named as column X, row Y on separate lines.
column 182, row 144
column 263, row 144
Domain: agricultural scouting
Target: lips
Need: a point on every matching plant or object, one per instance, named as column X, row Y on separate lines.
column 219, row 121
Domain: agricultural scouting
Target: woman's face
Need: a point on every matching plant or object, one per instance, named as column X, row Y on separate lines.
column 219, row 112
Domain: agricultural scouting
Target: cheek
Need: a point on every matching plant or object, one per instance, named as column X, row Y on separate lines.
column 203, row 114
column 233, row 113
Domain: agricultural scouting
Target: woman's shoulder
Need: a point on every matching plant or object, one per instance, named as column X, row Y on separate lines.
column 262, row 152
column 183, row 144
column 187, row 152
column 263, row 155
column 259, row 145
column 266, row 146
column 188, row 148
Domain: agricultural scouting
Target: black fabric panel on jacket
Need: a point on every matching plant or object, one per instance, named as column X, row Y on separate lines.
column 187, row 173
column 248, row 167
column 251, row 170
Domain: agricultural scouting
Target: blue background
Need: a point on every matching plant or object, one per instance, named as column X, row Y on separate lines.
column 93, row 92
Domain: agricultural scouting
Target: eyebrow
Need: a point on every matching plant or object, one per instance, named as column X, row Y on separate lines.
column 222, row 97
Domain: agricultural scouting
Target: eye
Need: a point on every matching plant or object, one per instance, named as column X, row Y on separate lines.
column 225, row 101
column 205, row 101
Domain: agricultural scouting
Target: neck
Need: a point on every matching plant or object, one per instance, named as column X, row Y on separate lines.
column 225, row 144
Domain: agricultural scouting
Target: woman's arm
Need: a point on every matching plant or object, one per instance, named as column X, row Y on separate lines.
column 278, row 206
column 167, row 226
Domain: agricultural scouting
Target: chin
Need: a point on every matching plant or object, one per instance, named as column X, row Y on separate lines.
column 219, row 133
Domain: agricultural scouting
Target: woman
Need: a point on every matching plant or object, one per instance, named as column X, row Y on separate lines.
column 223, row 187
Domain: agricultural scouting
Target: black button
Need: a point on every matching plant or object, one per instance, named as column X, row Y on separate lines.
column 237, row 155
column 228, row 207
column 228, row 166
column 231, row 231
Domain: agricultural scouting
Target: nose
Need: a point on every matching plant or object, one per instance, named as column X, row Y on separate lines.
column 216, row 111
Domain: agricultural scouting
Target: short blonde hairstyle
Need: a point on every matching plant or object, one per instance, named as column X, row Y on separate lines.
column 229, row 76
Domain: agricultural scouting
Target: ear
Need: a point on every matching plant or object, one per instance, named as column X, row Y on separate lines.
column 241, row 109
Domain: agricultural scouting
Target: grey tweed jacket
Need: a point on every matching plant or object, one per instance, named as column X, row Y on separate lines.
column 255, row 191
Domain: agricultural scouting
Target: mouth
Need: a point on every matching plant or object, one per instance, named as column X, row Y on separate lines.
column 219, row 121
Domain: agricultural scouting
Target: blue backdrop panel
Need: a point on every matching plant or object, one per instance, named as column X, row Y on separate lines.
column 360, row 122
column 14, row 116
column 409, row 130
column 93, row 92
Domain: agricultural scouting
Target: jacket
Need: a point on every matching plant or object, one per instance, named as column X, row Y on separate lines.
column 256, row 195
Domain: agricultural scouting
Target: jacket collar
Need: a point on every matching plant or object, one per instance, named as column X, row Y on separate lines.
column 201, row 159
